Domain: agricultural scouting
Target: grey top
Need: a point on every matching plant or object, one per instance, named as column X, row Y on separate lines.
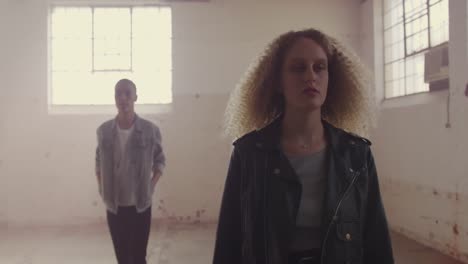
column 126, row 195
column 312, row 171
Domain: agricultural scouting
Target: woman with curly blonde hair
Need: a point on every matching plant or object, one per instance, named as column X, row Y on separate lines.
column 301, row 189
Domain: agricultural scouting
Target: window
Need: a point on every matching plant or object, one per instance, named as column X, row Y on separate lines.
column 91, row 48
column 411, row 27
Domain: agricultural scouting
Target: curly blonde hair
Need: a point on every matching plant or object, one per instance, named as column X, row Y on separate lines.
column 255, row 102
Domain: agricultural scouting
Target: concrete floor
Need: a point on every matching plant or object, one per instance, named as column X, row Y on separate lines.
column 169, row 244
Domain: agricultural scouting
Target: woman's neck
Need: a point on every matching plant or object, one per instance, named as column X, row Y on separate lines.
column 303, row 131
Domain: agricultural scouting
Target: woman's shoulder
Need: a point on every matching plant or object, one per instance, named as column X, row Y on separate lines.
column 347, row 137
column 249, row 139
column 358, row 139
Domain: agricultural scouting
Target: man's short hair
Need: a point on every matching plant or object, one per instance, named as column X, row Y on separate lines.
column 126, row 82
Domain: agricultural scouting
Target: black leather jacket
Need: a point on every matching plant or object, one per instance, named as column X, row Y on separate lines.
column 262, row 196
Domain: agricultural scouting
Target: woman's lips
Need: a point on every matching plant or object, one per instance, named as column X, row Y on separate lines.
column 311, row 91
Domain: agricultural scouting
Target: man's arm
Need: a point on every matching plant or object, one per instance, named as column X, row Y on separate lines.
column 159, row 159
column 97, row 167
column 98, row 164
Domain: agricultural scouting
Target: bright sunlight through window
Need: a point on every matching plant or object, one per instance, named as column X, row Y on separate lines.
column 412, row 27
column 91, row 48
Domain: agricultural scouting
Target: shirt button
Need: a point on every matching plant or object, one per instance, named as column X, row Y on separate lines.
column 348, row 236
column 276, row 171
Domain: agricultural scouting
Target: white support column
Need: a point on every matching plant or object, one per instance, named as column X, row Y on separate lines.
column 458, row 53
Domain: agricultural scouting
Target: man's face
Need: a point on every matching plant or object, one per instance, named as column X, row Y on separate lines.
column 125, row 98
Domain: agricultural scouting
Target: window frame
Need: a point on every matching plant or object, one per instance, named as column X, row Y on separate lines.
column 406, row 55
column 100, row 108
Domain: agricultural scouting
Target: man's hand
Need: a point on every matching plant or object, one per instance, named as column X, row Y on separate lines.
column 156, row 175
column 98, row 178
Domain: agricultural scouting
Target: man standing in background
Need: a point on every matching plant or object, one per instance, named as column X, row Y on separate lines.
column 129, row 163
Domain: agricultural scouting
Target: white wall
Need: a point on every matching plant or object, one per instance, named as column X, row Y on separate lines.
column 423, row 165
column 48, row 159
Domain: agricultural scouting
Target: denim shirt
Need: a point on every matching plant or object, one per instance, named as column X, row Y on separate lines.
column 145, row 152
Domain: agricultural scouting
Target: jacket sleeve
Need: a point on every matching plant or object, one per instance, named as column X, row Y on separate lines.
column 97, row 161
column 97, row 157
column 159, row 159
column 228, row 237
column 377, row 242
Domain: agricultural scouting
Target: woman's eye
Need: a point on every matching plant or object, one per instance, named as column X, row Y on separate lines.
column 298, row 68
column 320, row 67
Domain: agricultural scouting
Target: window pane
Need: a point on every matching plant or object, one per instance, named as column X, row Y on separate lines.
column 160, row 20
column 71, row 55
column 112, row 39
column 390, row 4
column 394, row 78
column 404, row 73
column 153, row 52
column 151, row 87
column 71, row 39
column 74, row 87
column 152, row 45
column 410, row 29
column 394, row 15
column 395, row 71
column 410, row 71
column 389, row 89
column 410, row 84
column 401, row 86
column 398, row 33
column 394, row 46
column 401, row 49
column 72, row 80
column 419, row 74
column 388, row 73
column 395, row 88
column 439, row 23
column 397, row 14
column 415, row 74
column 416, row 25
column 414, row 9
column 417, row 42
column 394, row 52
column 71, row 23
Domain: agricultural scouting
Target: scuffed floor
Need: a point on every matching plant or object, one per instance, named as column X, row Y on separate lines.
column 169, row 244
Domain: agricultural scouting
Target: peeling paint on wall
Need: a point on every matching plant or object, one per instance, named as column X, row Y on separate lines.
column 441, row 229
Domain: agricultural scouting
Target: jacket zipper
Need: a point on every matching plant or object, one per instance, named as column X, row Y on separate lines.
column 335, row 216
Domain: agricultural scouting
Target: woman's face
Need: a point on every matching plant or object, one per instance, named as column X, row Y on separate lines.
column 304, row 76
